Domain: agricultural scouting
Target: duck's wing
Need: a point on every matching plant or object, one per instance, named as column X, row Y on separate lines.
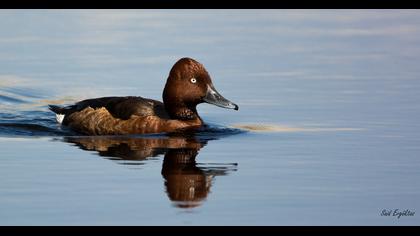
column 118, row 107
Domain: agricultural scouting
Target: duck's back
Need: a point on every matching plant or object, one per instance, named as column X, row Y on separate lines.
column 125, row 107
column 119, row 107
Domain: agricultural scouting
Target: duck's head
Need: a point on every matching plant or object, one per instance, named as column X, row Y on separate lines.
column 188, row 85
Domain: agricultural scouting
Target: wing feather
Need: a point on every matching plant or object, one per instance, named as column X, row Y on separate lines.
column 119, row 107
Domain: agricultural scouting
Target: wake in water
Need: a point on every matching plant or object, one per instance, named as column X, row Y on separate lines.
column 30, row 123
column 283, row 128
column 21, row 114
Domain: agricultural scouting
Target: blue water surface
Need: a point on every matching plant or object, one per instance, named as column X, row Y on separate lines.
column 327, row 130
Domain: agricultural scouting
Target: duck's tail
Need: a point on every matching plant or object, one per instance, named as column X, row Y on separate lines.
column 56, row 109
column 59, row 111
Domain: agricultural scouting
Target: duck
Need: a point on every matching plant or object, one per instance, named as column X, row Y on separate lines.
column 187, row 85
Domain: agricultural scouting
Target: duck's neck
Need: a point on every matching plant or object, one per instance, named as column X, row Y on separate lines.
column 183, row 112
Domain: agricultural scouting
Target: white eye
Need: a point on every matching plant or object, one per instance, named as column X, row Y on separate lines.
column 193, row 80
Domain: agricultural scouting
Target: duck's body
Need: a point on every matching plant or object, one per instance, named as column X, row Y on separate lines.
column 121, row 115
column 188, row 85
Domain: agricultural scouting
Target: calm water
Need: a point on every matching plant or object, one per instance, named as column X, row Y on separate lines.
column 327, row 132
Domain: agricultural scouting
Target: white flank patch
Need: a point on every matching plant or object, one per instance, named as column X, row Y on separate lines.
column 59, row 118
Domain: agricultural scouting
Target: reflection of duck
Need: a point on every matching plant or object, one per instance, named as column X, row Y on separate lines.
column 125, row 148
column 187, row 182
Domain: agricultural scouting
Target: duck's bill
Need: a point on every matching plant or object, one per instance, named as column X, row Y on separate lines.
column 214, row 97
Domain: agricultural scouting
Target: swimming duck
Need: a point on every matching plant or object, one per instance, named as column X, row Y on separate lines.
column 188, row 85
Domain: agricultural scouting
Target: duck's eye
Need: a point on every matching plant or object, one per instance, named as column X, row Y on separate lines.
column 193, row 80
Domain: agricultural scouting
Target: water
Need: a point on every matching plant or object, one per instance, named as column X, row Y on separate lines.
column 327, row 132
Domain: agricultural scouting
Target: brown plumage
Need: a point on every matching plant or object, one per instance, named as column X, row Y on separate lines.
column 188, row 85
